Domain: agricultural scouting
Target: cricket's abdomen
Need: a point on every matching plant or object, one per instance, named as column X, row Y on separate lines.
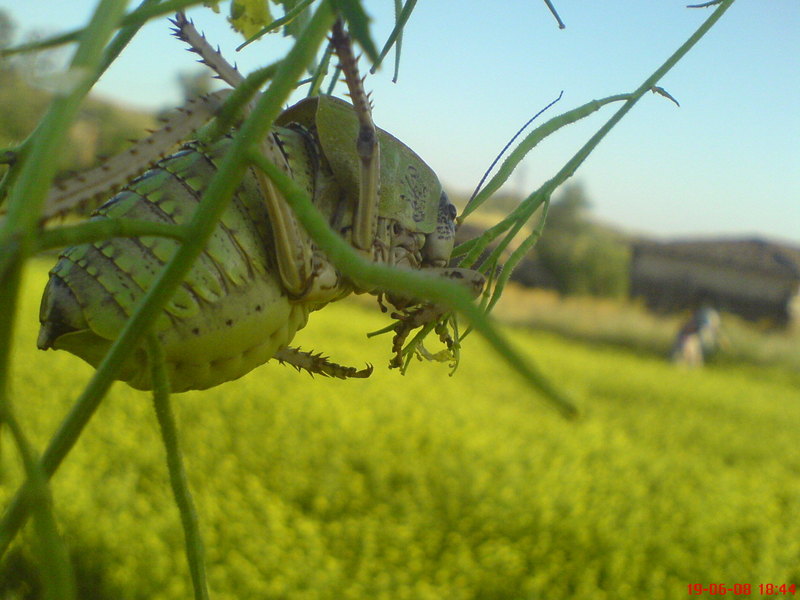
column 228, row 316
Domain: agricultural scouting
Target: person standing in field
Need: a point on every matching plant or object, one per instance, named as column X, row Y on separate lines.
column 697, row 338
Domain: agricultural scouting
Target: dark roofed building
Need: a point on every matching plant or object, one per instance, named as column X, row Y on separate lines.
column 753, row 278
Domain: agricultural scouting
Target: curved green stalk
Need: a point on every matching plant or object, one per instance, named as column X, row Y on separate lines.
column 18, row 232
column 37, row 168
column 337, row 72
column 95, row 231
column 36, row 171
column 320, row 72
column 530, row 142
column 88, row 233
column 56, row 572
column 398, row 45
column 195, row 551
column 516, row 257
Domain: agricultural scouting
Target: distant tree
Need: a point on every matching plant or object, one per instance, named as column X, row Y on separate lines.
column 583, row 257
column 6, row 30
column 569, row 213
column 101, row 129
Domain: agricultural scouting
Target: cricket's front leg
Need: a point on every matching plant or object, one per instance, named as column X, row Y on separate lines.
column 472, row 280
column 413, row 313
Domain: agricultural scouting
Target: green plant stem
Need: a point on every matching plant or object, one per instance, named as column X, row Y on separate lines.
column 195, row 551
column 56, row 571
column 233, row 108
column 334, row 80
column 219, row 192
column 416, row 284
column 125, row 34
column 395, row 36
column 530, row 142
column 398, row 45
column 320, row 72
column 20, row 224
column 36, row 171
column 494, row 257
column 95, row 231
column 517, row 256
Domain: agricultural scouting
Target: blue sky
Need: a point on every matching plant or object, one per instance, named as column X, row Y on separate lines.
column 726, row 163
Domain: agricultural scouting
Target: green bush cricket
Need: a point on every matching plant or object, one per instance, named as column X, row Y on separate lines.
column 261, row 275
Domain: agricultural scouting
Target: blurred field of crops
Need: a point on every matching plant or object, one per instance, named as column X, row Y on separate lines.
column 628, row 324
column 425, row 486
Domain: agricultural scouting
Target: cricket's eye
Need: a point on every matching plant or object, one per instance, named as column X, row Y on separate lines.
column 452, row 212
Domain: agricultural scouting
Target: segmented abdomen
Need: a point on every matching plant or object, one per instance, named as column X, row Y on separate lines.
column 228, row 316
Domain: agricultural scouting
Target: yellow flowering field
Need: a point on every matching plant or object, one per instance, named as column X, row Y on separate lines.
column 425, row 486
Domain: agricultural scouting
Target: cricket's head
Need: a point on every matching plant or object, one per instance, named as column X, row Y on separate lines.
column 439, row 243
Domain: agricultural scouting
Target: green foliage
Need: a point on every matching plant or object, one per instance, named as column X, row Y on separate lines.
column 429, row 487
column 584, row 258
column 248, row 17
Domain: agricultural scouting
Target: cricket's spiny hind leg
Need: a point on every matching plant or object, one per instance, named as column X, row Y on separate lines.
column 186, row 32
column 82, row 189
column 318, row 364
